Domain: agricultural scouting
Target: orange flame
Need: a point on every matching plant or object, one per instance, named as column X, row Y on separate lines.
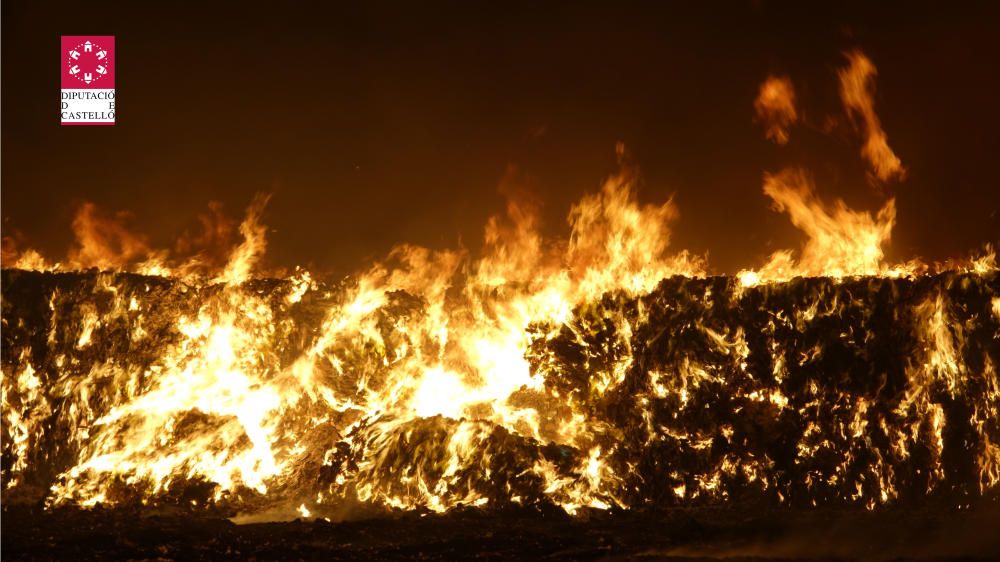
column 857, row 88
column 775, row 108
column 841, row 242
column 105, row 242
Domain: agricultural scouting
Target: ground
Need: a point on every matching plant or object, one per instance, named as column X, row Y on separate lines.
column 680, row 534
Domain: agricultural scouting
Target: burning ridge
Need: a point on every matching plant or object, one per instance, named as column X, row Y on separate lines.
column 861, row 391
column 603, row 370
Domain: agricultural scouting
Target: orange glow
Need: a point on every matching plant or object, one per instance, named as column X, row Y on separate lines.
column 775, row 108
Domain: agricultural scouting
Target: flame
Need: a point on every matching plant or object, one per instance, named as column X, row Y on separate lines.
column 439, row 378
column 215, row 405
column 857, row 87
column 105, row 242
column 212, row 245
column 254, row 244
column 841, row 242
column 775, row 108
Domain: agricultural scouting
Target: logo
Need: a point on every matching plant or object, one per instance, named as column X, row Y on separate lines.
column 88, row 80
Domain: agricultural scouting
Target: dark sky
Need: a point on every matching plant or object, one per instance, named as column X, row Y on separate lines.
column 377, row 123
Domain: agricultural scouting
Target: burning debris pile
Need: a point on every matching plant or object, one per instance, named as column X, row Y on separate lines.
column 600, row 371
column 865, row 391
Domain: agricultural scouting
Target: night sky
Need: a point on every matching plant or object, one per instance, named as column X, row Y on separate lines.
column 379, row 123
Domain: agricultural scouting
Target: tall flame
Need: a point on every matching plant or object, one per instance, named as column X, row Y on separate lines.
column 857, row 87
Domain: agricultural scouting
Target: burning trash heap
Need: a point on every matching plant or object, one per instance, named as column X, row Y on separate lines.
column 121, row 387
column 599, row 372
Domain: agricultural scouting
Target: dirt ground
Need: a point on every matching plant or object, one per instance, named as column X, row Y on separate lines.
column 530, row 533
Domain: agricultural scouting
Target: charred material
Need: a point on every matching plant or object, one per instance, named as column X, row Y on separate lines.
column 861, row 391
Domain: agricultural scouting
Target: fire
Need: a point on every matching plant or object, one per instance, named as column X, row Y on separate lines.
column 775, row 108
column 857, row 92
column 841, row 242
column 104, row 242
column 585, row 371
